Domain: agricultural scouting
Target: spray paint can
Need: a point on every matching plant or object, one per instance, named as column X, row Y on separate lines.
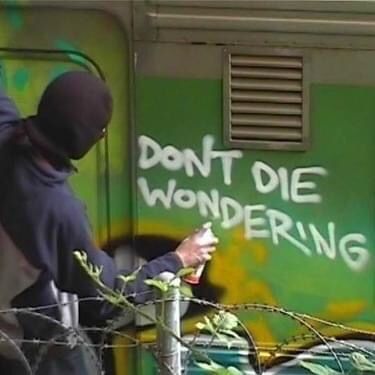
column 205, row 237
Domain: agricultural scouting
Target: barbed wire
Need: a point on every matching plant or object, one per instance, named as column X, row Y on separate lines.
column 32, row 353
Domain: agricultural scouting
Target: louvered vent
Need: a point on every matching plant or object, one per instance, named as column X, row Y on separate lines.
column 266, row 101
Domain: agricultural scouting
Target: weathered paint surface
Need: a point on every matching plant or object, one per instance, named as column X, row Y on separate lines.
column 277, row 213
column 295, row 229
column 25, row 75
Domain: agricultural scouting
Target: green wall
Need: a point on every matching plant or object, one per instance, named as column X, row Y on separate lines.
column 26, row 74
column 288, row 270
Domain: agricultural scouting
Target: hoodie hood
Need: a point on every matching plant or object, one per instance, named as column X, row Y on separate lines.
column 73, row 113
column 31, row 168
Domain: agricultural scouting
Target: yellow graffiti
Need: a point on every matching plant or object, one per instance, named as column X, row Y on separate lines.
column 244, row 287
column 261, row 332
column 340, row 311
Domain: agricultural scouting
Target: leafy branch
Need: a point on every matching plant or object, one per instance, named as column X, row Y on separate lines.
column 118, row 299
column 223, row 325
column 360, row 365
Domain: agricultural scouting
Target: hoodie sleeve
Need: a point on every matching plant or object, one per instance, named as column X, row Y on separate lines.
column 8, row 116
column 70, row 276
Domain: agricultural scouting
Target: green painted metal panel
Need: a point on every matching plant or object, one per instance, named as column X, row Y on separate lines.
column 25, row 73
column 313, row 257
column 322, row 264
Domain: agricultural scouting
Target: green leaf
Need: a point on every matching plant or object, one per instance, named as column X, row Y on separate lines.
column 200, row 326
column 318, row 369
column 97, row 271
column 225, row 320
column 223, row 335
column 161, row 285
column 222, row 371
column 234, row 371
column 209, row 326
column 126, row 279
column 81, row 256
column 186, row 291
column 217, row 369
column 184, row 272
column 211, row 367
column 361, row 363
column 131, row 277
column 223, row 338
column 230, row 333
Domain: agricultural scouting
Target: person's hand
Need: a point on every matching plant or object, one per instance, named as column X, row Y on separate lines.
column 192, row 254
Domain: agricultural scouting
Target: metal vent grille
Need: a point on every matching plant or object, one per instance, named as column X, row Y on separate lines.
column 265, row 101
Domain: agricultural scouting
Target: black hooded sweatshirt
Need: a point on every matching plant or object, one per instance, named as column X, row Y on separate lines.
column 41, row 224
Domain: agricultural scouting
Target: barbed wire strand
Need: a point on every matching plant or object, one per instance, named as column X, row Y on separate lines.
column 281, row 349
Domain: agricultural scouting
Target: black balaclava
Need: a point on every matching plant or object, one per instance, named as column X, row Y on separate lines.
column 74, row 112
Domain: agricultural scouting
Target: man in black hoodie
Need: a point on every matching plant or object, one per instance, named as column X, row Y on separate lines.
column 42, row 223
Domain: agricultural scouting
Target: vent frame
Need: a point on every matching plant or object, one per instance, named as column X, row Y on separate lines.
column 301, row 144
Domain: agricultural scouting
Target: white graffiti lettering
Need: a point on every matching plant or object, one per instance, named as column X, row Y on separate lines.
column 355, row 257
column 172, row 159
column 267, row 180
column 322, row 246
column 250, row 222
column 281, row 224
column 259, row 221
